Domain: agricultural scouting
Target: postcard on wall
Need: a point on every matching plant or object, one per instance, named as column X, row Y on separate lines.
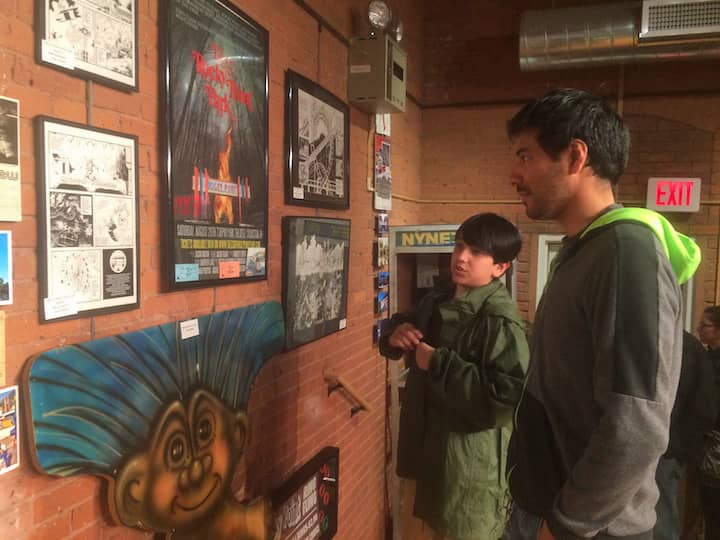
column 382, row 124
column 10, row 187
column 92, row 39
column 9, row 429
column 217, row 144
column 89, row 243
column 383, row 174
column 6, row 281
column 382, row 252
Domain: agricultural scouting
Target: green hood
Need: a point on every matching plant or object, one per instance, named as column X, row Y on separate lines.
column 683, row 252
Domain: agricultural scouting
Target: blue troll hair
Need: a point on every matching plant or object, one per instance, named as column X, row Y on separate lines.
column 94, row 403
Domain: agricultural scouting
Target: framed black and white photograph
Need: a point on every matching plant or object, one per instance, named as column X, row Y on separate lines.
column 382, row 252
column 216, row 112
column 315, row 277
column 317, row 135
column 92, row 39
column 88, row 229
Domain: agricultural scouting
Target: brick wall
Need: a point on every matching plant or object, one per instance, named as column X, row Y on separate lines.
column 291, row 415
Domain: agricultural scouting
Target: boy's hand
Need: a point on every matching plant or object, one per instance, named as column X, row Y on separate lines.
column 423, row 353
column 405, row 337
column 545, row 533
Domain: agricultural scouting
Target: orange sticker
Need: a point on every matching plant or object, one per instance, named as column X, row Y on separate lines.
column 229, row 269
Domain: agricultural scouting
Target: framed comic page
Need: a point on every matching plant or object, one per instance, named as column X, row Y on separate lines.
column 317, row 142
column 92, row 39
column 315, row 277
column 216, row 111
column 88, row 225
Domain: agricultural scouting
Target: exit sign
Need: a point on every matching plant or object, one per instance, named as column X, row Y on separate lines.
column 673, row 194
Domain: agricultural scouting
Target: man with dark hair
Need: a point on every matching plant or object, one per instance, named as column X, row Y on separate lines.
column 467, row 361
column 607, row 336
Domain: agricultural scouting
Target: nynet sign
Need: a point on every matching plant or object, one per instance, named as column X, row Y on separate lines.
column 673, row 194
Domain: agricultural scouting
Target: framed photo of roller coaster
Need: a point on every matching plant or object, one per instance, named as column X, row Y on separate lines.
column 317, row 144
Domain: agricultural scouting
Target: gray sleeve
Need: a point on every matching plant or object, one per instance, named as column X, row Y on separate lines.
column 632, row 303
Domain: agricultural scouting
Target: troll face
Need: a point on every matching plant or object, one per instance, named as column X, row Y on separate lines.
column 185, row 474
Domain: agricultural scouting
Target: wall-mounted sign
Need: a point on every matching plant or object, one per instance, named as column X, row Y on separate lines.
column 306, row 505
column 424, row 238
column 673, row 194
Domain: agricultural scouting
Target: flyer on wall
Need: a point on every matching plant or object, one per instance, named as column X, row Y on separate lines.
column 383, row 174
column 217, row 145
column 90, row 231
column 10, row 186
column 9, row 430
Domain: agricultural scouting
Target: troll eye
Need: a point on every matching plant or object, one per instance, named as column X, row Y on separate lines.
column 176, row 451
column 204, row 429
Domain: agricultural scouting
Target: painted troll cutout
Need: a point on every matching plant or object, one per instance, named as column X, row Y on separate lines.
column 161, row 418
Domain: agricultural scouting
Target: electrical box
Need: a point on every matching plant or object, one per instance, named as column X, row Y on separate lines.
column 377, row 75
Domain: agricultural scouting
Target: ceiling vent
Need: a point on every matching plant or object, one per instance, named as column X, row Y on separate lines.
column 623, row 33
column 675, row 18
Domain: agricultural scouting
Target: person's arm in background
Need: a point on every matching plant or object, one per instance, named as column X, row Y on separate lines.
column 633, row 305
column 696, row 413
column 483, row 388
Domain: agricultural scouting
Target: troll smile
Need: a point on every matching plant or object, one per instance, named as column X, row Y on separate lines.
column 175, row 502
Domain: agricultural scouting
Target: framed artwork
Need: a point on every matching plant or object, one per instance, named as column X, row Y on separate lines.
column 6, row 280
column 383, row 174
column 382, row 302
column 88, row 225
column 315, row 277
column 10, row 186
column 317, row 141
column 382, row 280
column 92, row 39
column 216, row 110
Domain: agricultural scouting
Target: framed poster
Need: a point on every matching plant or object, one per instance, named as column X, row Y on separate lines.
column 10, row 187
column 307, row 503
column 92, row 39
column 317, row 141
column 216, row 112
column 315, row 277
column 6, row 280
column 88, row 225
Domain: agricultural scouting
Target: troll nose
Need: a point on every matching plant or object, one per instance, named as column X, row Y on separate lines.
column 192, row 475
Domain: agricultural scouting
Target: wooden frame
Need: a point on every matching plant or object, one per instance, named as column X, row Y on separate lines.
column 315, row 277
column 216, row 113
column 317, row 144
column 88, row 219
column 90, row 39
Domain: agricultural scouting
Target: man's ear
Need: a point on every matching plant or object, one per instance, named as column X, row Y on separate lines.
column 127, row 496
column 240, row 431
column 500, row 268
column 577, row 156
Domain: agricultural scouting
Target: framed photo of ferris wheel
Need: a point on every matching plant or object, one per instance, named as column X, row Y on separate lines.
column 317, row 145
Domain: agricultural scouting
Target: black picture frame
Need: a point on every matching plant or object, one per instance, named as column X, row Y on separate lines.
column 89, row 39
column 317, row 145
column 88, row 220
column 316, row 254
column 216, row 119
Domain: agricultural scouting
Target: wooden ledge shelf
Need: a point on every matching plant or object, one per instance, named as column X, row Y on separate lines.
column 338, row 382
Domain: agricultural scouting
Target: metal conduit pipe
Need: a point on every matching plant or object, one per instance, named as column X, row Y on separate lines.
column 598, row 35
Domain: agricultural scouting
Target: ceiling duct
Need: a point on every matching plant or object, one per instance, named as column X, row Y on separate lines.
column 616, row 34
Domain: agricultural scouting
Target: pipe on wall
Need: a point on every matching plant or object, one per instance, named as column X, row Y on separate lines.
column 595, row 35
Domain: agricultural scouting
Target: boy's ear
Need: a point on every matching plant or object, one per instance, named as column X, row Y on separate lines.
column 500, row 268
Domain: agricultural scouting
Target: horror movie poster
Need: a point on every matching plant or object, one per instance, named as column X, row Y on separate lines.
column 217, row 142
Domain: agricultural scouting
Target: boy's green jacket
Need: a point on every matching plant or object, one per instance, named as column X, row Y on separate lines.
column 456, row 418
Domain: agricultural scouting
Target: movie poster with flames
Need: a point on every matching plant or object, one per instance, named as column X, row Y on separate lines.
column 217, row 125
